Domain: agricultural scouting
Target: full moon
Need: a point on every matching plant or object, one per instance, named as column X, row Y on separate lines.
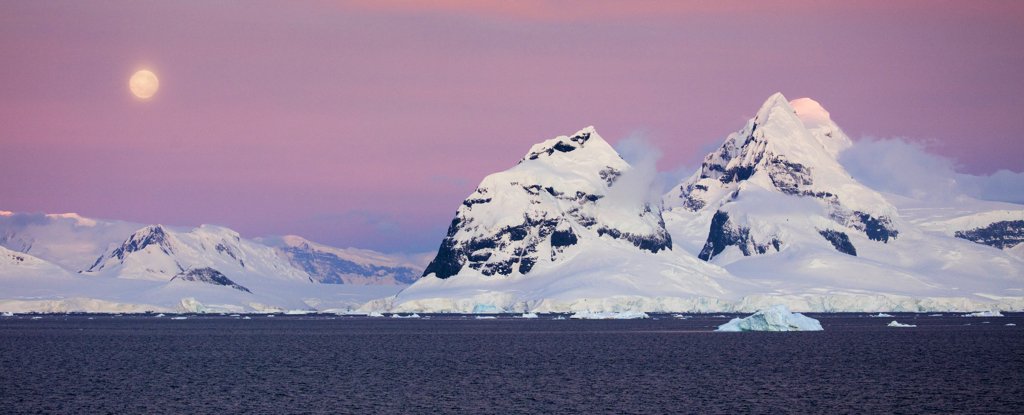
column 144, row 84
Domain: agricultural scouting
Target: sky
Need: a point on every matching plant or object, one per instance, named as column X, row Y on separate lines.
column 365, row 123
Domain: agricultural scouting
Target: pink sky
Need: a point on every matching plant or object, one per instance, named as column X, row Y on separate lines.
column 365, row 123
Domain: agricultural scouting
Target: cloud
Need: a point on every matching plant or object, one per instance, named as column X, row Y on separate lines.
column 1003, row 185
column 641, row 184
column 906, row 168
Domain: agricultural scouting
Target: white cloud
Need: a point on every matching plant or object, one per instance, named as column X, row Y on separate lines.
column 904, row 167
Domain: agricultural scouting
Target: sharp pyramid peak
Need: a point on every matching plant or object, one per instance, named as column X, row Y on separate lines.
column 586, row 139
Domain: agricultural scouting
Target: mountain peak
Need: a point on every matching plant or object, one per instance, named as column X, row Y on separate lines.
column 587, row 140
column 810, row 112
column 776, row 100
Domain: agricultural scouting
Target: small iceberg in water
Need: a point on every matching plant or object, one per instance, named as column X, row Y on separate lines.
column 160, row 315
column 883, row 315
column 989, row 313
column 774, row 318
column 486, row 318
column 895, row 323
column 179, row 318
column 7, row 314
column 529, row 315
column 413, row 315
column 624, row 315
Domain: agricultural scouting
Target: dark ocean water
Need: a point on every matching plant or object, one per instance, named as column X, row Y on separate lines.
column 317, row 364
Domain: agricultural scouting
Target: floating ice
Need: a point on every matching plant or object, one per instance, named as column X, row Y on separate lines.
column 246, row 318
column 7, row 314
column 36, row 318
column 935, row 315
column 774, row 318
column 881, row 315
column 486, row 317
column 989, row 313
column 179, row 318
column 529, row 315
column 624, row 315
column 895, row 323
column 375, row 314
column 413, row 315
column 1010, row 325
column 160, row 315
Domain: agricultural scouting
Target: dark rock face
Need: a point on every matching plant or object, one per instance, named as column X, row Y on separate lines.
column 328, row 268
column 724, row 234
column 840, row 241
column 152, row 235
column 1003, row 234
column 877, row 229
column 574, row 142
column 209, row 276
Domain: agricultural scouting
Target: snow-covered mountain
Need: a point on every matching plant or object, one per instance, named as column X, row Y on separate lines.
column 774, row 206
column 780, row 168
column 330, row 265
column 770, row 217
column 206, row 254
column 69, row 240
column 568, row 226
column 62, row 262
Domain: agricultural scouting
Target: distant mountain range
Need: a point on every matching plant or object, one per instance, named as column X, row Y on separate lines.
column 771, row 216
column 67, row 255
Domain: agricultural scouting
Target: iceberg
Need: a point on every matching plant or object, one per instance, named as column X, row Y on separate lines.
column 179, row 318
column 624, row 315
column 1011, row 325
column 989, row 313
column 486, row 318
column 7, row 314
column 529, row 315
column 413, row 315
column 774, row 318
column 881, row 315
column 375, row 314
column 895, row 323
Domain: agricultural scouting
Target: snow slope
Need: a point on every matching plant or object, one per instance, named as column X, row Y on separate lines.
column 332, row 265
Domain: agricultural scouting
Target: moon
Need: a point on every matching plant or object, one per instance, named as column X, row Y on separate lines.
column 144, row 84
